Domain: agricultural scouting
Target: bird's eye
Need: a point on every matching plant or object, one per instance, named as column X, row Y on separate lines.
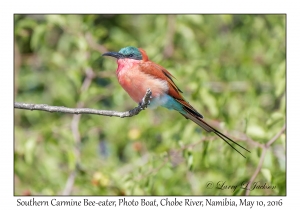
column 130, row 55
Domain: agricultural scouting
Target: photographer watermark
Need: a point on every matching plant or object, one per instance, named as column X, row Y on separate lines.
column 223, row 185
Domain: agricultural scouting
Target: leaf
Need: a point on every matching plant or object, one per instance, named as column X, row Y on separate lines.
column 275, row 117
column 71, row 160
column 37, row 36
column 267, row 174
column 256, row 131
column 190, row 161
column 29, row 150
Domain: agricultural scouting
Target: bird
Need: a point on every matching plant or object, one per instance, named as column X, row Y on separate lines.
column 136, row 73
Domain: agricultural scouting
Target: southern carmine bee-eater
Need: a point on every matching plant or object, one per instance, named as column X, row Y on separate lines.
column 136, row 73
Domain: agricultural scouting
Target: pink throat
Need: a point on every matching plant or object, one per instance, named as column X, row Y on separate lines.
column 126, row 63
column 135, row 82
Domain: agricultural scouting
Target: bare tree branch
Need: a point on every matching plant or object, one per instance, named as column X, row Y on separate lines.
column 169, row 47
column 276, row 136
column 44, row 107
column 93, row 44
column 89, row 76
column 262, row 158
column 76, row 118
column 70, row 183
column 145, row 158
column 145, row 102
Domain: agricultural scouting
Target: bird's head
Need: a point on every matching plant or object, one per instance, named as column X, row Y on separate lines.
column 129, row 52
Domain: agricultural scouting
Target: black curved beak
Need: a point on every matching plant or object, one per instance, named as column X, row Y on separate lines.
column 113, row 54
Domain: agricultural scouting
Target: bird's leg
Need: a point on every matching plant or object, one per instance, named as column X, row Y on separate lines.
column 146, row 100
column 143, row 104
column 149, row 100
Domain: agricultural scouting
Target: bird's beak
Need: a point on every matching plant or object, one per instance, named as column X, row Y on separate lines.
column 113, row 54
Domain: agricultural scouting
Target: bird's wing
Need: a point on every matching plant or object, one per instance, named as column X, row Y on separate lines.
column 160, row 72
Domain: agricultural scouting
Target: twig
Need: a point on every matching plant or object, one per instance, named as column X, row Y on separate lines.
column 169, row 47
column 93, row 44
column 89, row 76
column 70, row 183
column 44, row 107
column 168, row 158
column 76, row 118
column 265, row 147
column 77, row 138
column 145, row 159
column 152, row 171
column 257, row 170
column 262, row 157
column 276, row 136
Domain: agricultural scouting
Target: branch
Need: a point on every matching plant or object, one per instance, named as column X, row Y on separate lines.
column 169, row 47
column 70, row 183
column 145, row 158
column 276, row 136
column 89, row 76
column 44, row 107
column 262, row 158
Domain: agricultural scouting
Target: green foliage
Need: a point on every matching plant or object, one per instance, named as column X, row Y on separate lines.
column 230, row 67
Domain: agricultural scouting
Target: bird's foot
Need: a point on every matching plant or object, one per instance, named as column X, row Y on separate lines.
column 149, row 102
column 143, row 104
column 146, row 100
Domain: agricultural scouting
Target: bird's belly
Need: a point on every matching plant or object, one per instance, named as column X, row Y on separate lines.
column 136, row 84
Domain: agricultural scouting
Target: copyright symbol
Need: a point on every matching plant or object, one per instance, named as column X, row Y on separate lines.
column 209, row 185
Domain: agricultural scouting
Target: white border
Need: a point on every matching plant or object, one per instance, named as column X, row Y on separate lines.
column 8, row 8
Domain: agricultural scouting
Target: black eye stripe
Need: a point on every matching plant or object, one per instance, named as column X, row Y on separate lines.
column 132, row 56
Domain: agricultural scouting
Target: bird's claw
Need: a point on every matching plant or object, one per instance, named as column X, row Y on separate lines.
column 149, row 102
column 140, row 105
column 145, row 101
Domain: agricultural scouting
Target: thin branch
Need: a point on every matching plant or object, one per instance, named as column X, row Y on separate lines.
column 168, row 158
column 244, row 137
column 262, row 158
column 276, row 136
column 152, row 171
column 77, row 139
column 93, row 44
column 257, row 170
column 165, row 160
column 145, row 159
column 44, row 107
column 76, row 118
column 70, row 183
column 169, row 47
column 89, row 73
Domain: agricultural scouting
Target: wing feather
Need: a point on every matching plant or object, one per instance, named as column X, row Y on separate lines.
column 159, row 72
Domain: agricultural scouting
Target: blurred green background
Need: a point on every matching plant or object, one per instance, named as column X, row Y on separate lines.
column 230, row 67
